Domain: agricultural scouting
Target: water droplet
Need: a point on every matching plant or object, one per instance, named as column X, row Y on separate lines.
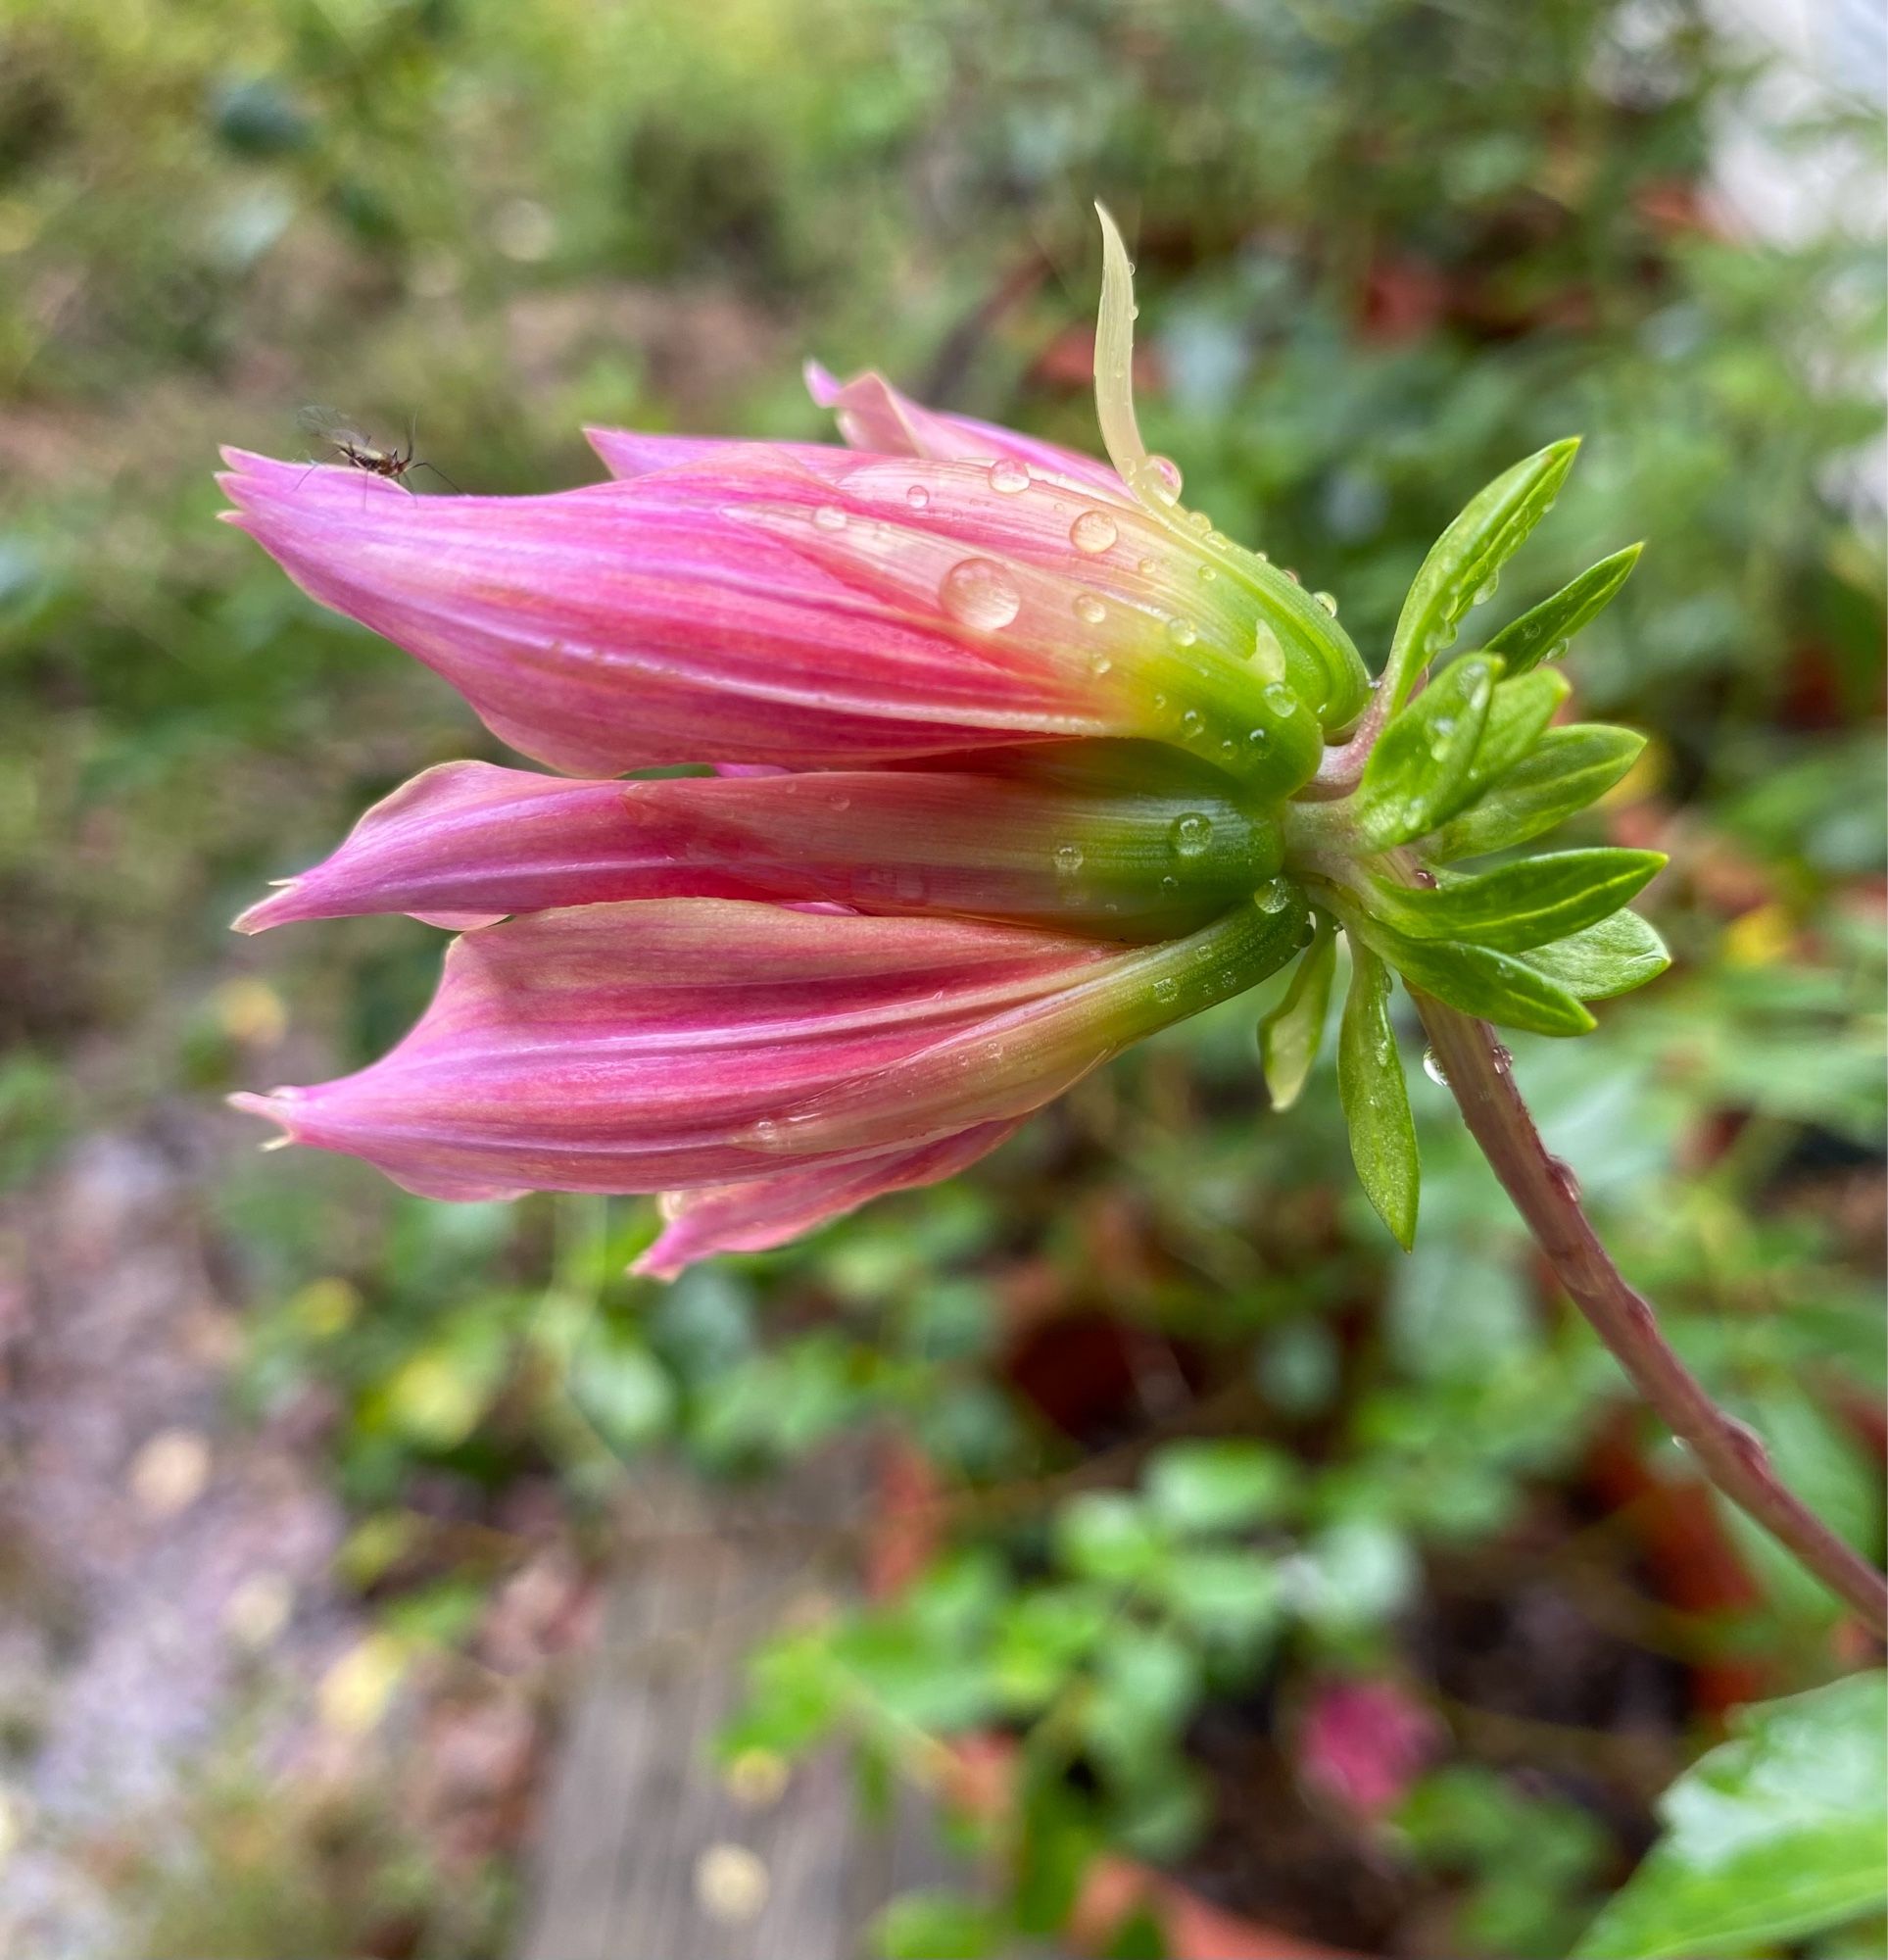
column 1068, row 859
column 1264, row 558
column 1433, row 1069
column 1199, row 521
column 766, row 1133
column 830, row 517
column 1268, row 653
column 1191, row 834
column 1328, row 601
column 1193, row 725
column 1147, row 567
column 1159, row 476
column 1008, row 477
column 1093, row 532
column 1219, row 540
column 909, row 886
column 1258, row 740
column 1556, row 652
column 1168, row 882
column 1207, row 573
column 1090, row 609
column 1166, row 987
column 1181, row 631
column 1485, row 592
column 841, row 802
column 980, row 593
column 1562, row 1172
column 1293, row 576
column 918, row 496
column 1099, row 664
column 1230, row 979
column 1280, row 700
column 1504, row 1059
column 1229, row 748
column 1273, row 896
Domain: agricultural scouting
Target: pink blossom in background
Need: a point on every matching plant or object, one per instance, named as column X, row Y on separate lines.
column 999, row 738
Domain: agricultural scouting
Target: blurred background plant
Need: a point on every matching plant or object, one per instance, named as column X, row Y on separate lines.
column 1201, row 1454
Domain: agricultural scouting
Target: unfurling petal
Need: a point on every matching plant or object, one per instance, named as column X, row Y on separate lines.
column 635, row 623
column 658, row 1045
column 768, row 1211
column 468, row 843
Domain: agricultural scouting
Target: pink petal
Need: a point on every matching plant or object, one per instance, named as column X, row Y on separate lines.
column 698, row 1042
column 873, row 415
column 1364, row 1742
column 469, row 842
column 635, row 623
column 754, row 1217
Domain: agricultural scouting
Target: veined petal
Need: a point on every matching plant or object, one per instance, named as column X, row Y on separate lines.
column 635, row 623
column 874, row 415
column 678, row 1043
column 755, row 1217
column 468, row 843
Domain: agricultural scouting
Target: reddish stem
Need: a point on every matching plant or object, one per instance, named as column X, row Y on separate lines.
column 1728, row 1453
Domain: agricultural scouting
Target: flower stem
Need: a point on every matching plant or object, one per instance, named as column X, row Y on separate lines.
column 1728, row 1453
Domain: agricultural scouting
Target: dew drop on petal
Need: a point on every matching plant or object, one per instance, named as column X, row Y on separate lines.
column 1008, row 477
column 918, row 496
column 1181, row 631
column 1207, row 573
column 830, row 517
column 1099, row 664
column 1090, row 609
column 1192, row 724
column 1199, row 521
column 1148, row 566
column 1191, row 834
column 1068, row 859
column 1093, row 532
column 1328, row 601
column 1159, row 478
column 979, row 592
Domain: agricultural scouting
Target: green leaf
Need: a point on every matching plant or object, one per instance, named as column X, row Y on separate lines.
column 1107, row 1535
column 1611, row 958
column 1770, row 1836
column 936, row 1926
column 1290, row 1035
column 1377, row 1098
column 1521, row 904
column 1219, row 1486
column 1570, row 769
column 1517, row 718
column 1497, row 985
column 1462, row 564
column 1420, row 766
column 1543, row 633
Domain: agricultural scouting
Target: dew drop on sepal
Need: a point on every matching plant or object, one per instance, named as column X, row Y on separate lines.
column 1191, row 834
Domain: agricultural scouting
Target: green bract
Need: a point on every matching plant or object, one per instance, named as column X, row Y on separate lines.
column 1452, row 763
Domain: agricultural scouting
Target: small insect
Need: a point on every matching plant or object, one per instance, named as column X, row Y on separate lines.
column 330, row 426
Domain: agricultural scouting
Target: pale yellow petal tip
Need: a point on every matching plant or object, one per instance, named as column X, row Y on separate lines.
column 270, row 1108
column 1153, row 481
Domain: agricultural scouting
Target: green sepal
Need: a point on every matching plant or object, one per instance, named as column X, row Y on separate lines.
column 1290, row 1035
column 1541, row 634
column 1522, row 905
column 1495, row 985
column 1376, row 1099
column 1603, row 960
column 1517, row 718
column 1569, row 768
column 1462, row 562
column 1420, row 765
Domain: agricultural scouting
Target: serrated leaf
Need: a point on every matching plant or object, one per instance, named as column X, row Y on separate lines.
column 1517, row 718
column 1290, row 1035
column 1521, row 904
column 1496, row 985
column 1770, row 1836
column 1570, row 767
column 1462, row 562
column 1541, row 634
column 1603, row 960
column 1420, row 765
column 1376, row 1099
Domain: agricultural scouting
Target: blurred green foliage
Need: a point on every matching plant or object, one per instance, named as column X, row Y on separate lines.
column 1384, row 248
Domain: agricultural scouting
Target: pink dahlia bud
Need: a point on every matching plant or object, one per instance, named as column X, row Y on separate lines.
column 1001, row 736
